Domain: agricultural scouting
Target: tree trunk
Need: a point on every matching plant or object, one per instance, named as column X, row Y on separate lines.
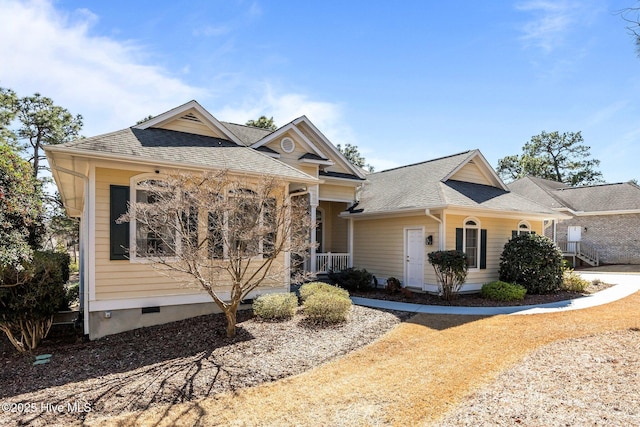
column 230, row 314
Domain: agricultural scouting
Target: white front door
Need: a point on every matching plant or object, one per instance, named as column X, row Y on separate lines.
column 414, row 258
column 574, row 234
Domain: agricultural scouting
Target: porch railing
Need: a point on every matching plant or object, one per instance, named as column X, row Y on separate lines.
column 582, row 250
column 329, row 261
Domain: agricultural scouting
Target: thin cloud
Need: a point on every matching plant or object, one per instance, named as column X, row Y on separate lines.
column 106, row 80
column 212, row 31
column 285, row 107
column 550, row 23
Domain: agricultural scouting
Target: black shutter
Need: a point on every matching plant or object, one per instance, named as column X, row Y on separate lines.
column 514, row 233
column 483, row 249
column 118, row 233
column 459, row 237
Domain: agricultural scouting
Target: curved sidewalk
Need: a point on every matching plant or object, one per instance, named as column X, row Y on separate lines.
column 626, row 284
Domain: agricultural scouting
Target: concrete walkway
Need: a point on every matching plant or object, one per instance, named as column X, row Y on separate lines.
column 626, row 284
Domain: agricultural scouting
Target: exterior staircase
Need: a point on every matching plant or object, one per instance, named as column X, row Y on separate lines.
column 582, row 251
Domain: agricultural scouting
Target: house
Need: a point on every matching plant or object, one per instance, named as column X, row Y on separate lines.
column 455, row 202
column 600, row 222
column 385, row 222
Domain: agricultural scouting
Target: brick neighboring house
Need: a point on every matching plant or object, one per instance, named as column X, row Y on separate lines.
column 605, row 219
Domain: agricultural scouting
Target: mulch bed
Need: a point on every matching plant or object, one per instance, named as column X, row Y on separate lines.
column 171, row 363
column 475, row 300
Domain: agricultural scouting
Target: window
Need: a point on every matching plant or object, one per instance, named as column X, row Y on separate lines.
column 242, row 224
column 251, row 224
column 471, row 242
column 523, row 228
column 155, row 235
column 215, row 236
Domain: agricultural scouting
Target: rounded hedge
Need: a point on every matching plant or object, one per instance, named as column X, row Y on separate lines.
column 326, row 307
column 503, row 291
column 275, row 306
column 309, row 289
column 533, row 261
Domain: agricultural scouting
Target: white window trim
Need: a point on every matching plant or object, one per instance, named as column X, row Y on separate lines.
column 526, row 224
column 479, row 236
column 134, row 258
column 133, row 198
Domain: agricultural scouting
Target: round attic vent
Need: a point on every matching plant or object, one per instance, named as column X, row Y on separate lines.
column 287, row 145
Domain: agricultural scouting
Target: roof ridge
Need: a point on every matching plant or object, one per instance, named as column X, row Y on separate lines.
column 423, row 162
column 246, row 126
column 594, row 185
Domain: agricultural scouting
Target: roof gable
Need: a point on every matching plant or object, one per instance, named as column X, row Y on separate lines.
column 429, row 185
column 475, row 169
column 190, row 118
column 319, row 149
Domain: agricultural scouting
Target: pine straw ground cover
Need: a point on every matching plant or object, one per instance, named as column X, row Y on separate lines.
column 425, row 368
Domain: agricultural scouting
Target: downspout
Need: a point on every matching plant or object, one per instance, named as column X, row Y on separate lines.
column 428, row 213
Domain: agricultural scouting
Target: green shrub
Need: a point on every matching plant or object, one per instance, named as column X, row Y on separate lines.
column 326, row 307
column 309, row 289
column 275, row 306
column 352, row 279
column 27, row 308
column 74, row 267
column 73, row 294
column 533, row 261
column 572, row 282
column 503, row 291
column 451, row 271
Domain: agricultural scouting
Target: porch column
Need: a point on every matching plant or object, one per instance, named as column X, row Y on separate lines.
column 350, row 243
column 313, row 205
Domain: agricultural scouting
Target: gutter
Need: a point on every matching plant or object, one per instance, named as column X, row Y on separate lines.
column 92, row 155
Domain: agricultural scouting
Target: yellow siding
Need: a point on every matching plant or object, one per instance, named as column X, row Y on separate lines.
column 308, row 169
column 189, row 126
column 123, row 279
column 498, row 233
column 336, row 229
column 471, row 173
column 339, row 229
column 336, row 192
column 379, row 245
column 293, row 158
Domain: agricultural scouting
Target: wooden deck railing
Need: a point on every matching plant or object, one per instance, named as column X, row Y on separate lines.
column 328, row 261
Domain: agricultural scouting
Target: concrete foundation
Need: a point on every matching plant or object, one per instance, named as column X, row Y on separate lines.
column 103, row 323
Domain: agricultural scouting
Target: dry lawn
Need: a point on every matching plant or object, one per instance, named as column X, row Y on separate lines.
column 413, row 375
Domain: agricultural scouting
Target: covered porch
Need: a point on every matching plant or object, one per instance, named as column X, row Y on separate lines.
column 333, row 237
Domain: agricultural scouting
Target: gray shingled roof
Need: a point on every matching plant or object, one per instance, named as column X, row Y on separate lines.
column 420, row 186
column 538, row 189
column 607, row 197
column 247, row 134
column 594, row 198
column 184, row 148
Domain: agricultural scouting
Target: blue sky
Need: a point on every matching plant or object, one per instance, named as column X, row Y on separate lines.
column 404, row 81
